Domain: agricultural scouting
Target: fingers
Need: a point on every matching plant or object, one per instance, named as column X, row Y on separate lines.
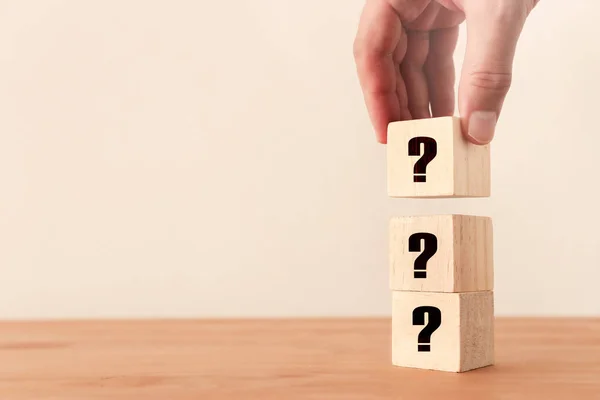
column 401, row 91
column 440, row 72
column 492, row 35
column 414, row 75
column 379, row 46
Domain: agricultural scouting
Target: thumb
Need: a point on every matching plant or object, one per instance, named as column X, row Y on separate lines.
column 493, row 29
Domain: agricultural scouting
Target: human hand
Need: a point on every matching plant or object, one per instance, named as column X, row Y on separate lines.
column 404, row 58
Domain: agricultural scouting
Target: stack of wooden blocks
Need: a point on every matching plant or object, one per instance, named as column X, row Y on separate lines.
column 441, row 266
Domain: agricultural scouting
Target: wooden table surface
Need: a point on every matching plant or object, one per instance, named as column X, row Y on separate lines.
column 342, row 359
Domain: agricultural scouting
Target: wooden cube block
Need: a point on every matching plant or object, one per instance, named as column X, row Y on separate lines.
column 443, row 331
column 431, row 158
column 441, row 253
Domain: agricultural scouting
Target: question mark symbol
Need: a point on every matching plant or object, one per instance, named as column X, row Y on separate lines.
column 433, row 322
column 429, row 249
column 429, row 153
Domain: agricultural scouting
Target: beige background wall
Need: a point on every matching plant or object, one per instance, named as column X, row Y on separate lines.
column 214, row 158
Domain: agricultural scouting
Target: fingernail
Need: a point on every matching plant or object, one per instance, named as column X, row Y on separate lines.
column 482, row 126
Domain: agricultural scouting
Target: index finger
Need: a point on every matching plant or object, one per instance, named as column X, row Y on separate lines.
column 379, row 47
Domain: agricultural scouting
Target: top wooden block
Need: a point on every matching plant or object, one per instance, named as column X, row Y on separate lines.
column 431, row 158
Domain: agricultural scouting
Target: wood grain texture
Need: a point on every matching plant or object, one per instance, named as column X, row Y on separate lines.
column 459, row 169
column 464, row 341
column 463, row 261
column 345, row 359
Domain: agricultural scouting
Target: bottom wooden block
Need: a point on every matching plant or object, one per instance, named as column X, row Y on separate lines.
column 443, row 331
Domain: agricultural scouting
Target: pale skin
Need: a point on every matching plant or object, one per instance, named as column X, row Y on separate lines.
column 404, row 58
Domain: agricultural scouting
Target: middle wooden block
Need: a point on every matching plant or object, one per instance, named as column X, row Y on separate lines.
column 441, row 253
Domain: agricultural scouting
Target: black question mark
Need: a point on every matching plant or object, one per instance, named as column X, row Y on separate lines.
column 429, row 153
column 429, row 249
column 433, row 322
